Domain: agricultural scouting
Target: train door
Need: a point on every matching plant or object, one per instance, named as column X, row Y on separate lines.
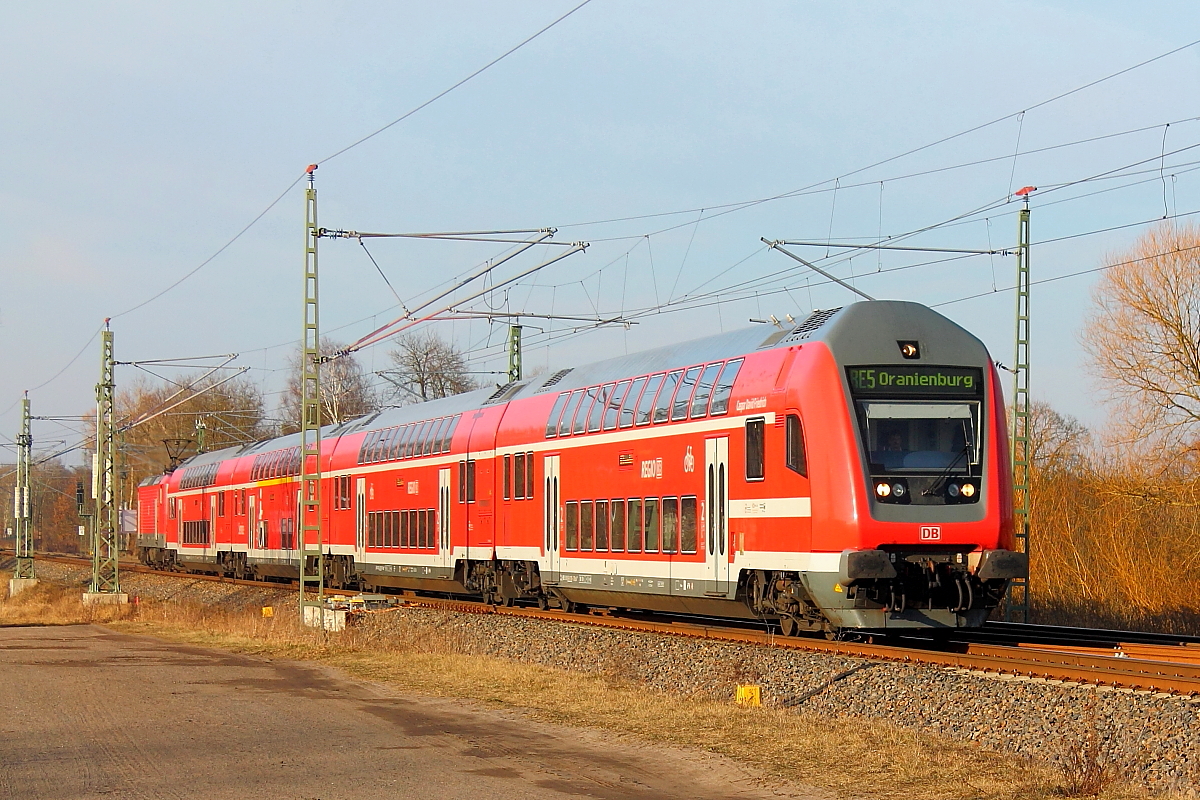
column 716, row 514
column 212, row 524
column 360, row 517
column 251, row 521
column 443, row 518
column 551, row 515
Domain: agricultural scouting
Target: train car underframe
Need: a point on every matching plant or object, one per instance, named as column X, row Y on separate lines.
column 875, row 590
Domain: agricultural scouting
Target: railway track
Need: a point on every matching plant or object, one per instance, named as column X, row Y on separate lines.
column 1134, row 661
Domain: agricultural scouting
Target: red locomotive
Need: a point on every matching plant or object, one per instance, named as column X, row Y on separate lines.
column 849, row 473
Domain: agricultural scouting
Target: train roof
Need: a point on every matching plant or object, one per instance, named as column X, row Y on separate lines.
column 834, row 325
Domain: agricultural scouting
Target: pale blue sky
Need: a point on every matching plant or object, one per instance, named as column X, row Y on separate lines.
column 137, row 138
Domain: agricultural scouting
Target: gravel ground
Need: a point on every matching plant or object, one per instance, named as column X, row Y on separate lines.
column 1152, row 740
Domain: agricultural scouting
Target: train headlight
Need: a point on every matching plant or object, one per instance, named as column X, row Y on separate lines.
column 882, row 489
column 968, row 490
column 899, row 489
column 952, row 490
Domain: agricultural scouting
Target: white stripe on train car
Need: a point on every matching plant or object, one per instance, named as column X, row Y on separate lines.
column 770, row 507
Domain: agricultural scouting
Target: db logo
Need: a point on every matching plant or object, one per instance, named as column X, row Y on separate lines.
column 930, row 533
column 689, row 461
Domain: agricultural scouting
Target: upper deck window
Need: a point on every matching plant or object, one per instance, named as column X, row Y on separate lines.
column 683, row 396
column 662, row 406
column 720, row 398
column 581, row 416
column 704, row 389
column 564, row 425
column 555, row 413
column 614, row 405
column 597, row 413
column 646, row 405
column 631, row 401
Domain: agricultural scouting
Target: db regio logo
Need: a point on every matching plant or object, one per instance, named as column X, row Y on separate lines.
column 689, row 461
column 930, row 533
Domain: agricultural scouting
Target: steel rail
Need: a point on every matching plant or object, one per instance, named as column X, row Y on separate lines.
column 1143, row 673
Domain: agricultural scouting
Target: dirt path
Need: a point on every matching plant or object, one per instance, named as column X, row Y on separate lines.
column 88, row 713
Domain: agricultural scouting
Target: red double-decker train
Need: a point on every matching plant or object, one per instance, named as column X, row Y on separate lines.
column 848, row 473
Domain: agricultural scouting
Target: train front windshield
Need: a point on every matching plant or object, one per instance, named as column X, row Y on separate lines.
column 916, row 437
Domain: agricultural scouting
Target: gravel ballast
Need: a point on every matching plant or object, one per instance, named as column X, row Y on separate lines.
column 1152, row 740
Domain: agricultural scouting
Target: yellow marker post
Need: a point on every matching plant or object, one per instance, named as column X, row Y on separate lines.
column 268, row 611
column 749, row 696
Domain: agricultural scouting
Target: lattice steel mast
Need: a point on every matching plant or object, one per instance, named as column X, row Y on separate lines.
column 22, row 500
column 312, row 561
column 1017, row 607
column 105, row 553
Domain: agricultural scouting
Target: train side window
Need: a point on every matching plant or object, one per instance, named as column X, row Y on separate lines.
column 373, row 529
column 598, row 407
column 601, row 525
column 651, row 525
column 614, row 405
column 425, row 439
column 687, row 525
column 564, row 424
column 470, row 480
column 448, row 436
column 555, row 413
column 462, row 481
column 587, row 525
column 797, row 459
column 662, row 405
column 529, row 476
column 756, row 432
column 519, row 476
column 242, row 503
column 405, row 530
column 720, row 398
column 507, row 477
column 645, row 406
column 220, row 504
column 634, row 529
column 397, row 443
column 581, row 416
column 704, row 390
column 616, row 525
column 670, row 523
column 401, row 442
column 572, row 525
column 631, row 400
column 172, row 507
column 683, row 396
column 435, row 440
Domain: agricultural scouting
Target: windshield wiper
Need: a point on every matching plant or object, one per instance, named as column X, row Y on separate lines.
column 938, row 484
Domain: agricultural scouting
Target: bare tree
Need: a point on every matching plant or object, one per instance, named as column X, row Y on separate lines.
column 427, row 367
column 1057, row 442
column 346, row 392
column 150, row 413
column 1144, row 336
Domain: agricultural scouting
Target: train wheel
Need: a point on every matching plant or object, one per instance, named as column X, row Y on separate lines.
column 788, row 626
column 543, row 602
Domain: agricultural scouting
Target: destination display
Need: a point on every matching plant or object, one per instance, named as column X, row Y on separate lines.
column 925, row 381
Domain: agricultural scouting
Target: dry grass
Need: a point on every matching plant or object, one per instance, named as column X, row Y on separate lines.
column 1113, row 550
column 48, row 604
column 850, row 758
